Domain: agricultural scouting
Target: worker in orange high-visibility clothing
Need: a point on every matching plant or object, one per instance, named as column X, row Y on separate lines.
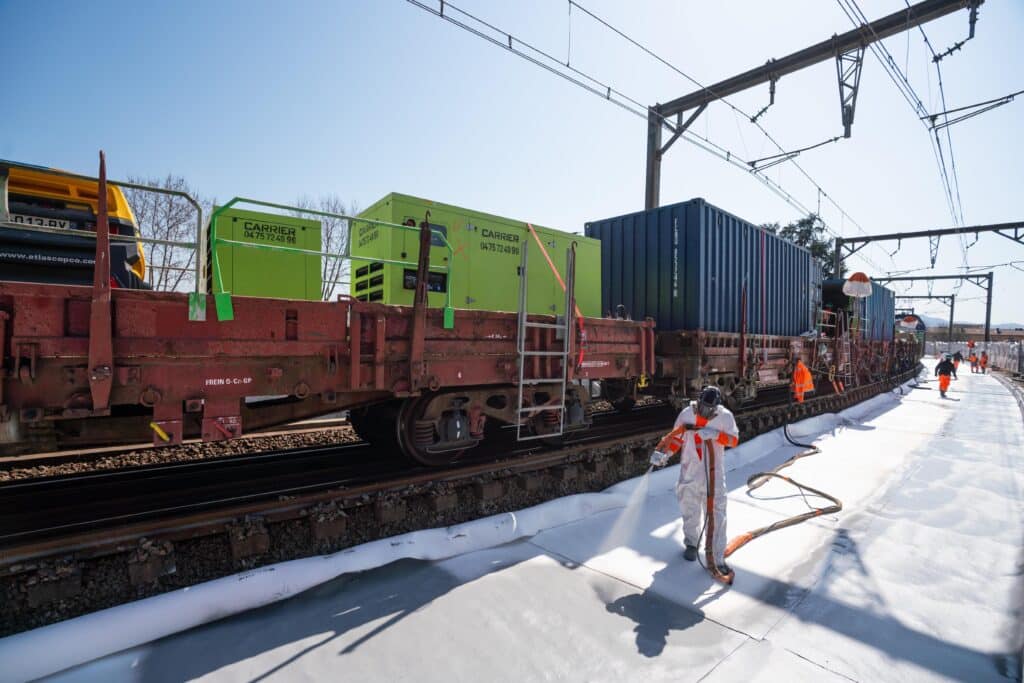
column 973, row 360
column 984, row 361
column 703, row 430
column 803, row 381
column 958, row 358
column 945, row 369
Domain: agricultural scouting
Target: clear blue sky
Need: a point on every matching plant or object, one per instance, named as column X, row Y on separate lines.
column 276, row 100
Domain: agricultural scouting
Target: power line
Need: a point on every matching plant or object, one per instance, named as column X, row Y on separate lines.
column 787, row 155
column 607, row 92
column 949, row 139
column 1008, row 264
column 892, row 69
column 902, row 83
column 997, row 102
column 782, row 158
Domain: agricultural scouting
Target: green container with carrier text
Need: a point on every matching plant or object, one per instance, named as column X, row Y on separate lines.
column 249, row 271
column 486, row 253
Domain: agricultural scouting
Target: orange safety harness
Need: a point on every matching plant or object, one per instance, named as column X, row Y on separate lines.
column 672, row 443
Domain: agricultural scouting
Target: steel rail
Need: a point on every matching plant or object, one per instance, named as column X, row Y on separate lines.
column 279, row 502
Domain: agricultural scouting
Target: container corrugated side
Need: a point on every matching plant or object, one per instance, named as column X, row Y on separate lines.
column 686, row 265
column 880, row 312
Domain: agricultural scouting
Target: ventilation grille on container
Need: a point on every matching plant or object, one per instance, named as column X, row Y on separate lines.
column 369, row 282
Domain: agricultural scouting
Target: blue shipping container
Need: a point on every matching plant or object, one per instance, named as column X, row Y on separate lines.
column 879, row 313
column 686, row 265
column 878, row 310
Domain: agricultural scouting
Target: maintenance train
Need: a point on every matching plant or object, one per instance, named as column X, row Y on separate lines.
column 456, row 320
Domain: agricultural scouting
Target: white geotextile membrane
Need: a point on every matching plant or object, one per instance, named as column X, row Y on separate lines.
column 49, row 649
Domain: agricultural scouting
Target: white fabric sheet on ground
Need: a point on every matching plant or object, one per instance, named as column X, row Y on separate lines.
column 919, row 577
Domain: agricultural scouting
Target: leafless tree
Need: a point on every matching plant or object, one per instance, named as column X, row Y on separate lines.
column 165, row 217
column 334, row 239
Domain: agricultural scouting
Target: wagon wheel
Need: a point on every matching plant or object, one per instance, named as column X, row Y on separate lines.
column 419, row 439
column 536, row 427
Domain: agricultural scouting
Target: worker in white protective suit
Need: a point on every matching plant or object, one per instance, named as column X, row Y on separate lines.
column 704, row 425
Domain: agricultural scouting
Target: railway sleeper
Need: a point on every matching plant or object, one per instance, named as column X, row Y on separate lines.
column 149, row 561
column 248, row 538
column 59, row 586
column 327, row 522
column 389, row 511
column 53, row 581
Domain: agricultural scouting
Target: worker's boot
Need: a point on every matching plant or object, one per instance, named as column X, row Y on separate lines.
column 942, row 394
column 690, row 554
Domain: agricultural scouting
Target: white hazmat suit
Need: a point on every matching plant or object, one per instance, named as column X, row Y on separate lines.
column 719, row 432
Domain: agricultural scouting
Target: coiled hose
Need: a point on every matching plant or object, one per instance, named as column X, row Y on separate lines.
column 761, row 478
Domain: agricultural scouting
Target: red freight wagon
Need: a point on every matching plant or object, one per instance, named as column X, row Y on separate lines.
column 94, row 365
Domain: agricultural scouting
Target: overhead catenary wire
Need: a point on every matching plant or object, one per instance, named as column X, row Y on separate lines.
column 949, row 139
column 787, row 156
column 951, row 187
column 790, row 155
column 996, row 102
column 1008, row 264
column 902, row 83
column 595, row 86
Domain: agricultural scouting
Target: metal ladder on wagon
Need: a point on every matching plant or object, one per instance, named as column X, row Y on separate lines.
column 531, row 415
column 833, row 360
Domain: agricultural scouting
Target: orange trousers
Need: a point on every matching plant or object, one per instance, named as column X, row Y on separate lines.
column 943, row 382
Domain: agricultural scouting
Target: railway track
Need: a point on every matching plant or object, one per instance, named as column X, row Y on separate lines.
column 58, row 559
column 43, row 507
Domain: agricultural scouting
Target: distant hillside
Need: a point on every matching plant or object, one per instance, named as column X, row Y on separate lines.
column 932, row 321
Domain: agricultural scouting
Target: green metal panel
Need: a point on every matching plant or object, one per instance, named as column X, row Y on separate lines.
column 486, row 253
column 260, row 272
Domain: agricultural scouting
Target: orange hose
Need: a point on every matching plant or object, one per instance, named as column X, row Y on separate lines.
column 760, row 478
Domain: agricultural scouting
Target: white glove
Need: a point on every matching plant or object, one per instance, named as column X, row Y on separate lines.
column 707, row 434
column 659, row 459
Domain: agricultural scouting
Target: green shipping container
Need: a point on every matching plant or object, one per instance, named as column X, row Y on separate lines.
column 486, row 253
column 249, row 271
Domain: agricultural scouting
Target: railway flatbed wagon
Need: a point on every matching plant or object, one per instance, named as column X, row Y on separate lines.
column 88, row 364
column 736, row 306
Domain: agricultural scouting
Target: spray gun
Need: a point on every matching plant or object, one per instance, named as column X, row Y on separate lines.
column 672, row 443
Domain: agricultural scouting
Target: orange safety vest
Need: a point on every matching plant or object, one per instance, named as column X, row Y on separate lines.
column 803, row 381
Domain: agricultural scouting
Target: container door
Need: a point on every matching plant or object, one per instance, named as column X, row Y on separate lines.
column 541, row 295
column 403, row 285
